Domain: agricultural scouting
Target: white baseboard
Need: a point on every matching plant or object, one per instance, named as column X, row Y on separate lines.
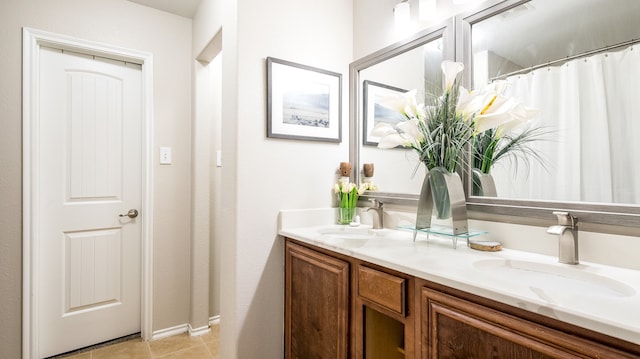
column 194, row 332
column 215, row 320
column 167, row 332
column 185, row 328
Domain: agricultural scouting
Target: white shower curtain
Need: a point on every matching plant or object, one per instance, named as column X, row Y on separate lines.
column 593, row 155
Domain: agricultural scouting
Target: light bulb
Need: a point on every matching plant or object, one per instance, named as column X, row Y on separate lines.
column 402, row 16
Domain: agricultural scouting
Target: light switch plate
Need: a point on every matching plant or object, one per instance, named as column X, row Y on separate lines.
column 165, row 155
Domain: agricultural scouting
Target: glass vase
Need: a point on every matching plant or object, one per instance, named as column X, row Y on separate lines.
column 440, row 193
column 346, row 215
column 483, row 184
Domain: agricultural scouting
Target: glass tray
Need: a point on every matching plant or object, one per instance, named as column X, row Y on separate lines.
column 443, row 231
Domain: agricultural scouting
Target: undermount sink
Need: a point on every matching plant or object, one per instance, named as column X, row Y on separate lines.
column 348, row 237
column 349, row 232
column 354, row 237
column 558, row 278
column 363, row 233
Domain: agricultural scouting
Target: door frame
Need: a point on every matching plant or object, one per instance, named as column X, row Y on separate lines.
column 32, row 41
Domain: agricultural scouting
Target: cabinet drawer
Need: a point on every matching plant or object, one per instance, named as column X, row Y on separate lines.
column 382, row 288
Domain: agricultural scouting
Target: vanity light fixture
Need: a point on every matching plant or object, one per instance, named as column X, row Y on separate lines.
column 402, row 17
column 427, row 10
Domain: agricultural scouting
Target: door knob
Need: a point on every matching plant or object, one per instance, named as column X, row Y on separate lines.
column 133, row 213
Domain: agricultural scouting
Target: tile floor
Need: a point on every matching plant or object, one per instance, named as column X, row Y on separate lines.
column 182, row 346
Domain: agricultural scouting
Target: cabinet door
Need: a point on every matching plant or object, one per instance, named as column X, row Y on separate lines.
column 456, row 328
column 316, row 304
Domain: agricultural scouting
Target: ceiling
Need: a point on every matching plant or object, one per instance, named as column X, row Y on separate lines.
column 186, row 8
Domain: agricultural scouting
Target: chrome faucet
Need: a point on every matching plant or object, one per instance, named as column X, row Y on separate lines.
column 567, row 232
column 376, row 206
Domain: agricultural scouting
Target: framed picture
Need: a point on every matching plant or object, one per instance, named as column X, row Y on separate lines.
column 303, row 102
column 373, row 94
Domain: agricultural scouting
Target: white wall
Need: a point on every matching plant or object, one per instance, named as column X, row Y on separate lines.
column 261, row 175
column 275, row 174
column 130, row 25
column 207, row 178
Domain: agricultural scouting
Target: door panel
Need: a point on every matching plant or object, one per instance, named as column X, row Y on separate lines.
column 88, row 258
column 93, row 272
column 95, row 144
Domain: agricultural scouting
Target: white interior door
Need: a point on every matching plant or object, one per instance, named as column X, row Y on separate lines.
column 88, row 258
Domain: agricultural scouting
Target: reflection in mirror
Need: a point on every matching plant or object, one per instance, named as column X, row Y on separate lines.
column 397, row 170
column 583, row 77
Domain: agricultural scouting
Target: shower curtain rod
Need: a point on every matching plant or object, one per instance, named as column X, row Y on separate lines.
column 568, row 58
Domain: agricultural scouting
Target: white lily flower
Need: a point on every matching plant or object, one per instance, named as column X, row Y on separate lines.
column 336, row 188
column 393, row 101
column 509, row 126
column 404, row 103
column 410, row 109
column 382, row 129
column 421, row 112
column 466, row 102
column 450, row 70
column 520, row 114
column 391, row 140
column 495, row 112
column 411, row 132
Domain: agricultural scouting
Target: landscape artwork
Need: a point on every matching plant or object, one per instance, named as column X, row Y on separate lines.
column 306, row 105
column 374, row 112
column 303, row 102
column 383, row 114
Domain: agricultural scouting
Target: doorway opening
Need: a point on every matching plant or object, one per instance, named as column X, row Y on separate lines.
column 207, row 174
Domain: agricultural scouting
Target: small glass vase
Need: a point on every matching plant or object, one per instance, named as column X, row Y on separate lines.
column 483, row 184
column 346, row 215
column 440, row 192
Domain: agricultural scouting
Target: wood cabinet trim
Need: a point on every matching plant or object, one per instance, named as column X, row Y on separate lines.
column 545, row 340
column 543, row 321
column 383, row 289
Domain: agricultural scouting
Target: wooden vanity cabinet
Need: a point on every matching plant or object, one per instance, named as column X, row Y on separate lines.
column 453, row 327
column 340, row 307
column 316, row 304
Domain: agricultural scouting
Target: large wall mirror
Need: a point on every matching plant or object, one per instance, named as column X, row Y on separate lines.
column 413, row 64
column 578, row 63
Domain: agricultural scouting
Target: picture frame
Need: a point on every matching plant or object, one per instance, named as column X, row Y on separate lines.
column 374, row 112
column 303, row 102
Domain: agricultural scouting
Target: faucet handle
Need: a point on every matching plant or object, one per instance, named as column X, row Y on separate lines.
column 566, row 219
column 375, row 203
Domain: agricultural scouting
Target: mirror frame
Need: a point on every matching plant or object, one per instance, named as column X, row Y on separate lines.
column 597, row 217
column 443, row 30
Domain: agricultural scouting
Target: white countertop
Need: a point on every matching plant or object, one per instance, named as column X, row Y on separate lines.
column 601, row 298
